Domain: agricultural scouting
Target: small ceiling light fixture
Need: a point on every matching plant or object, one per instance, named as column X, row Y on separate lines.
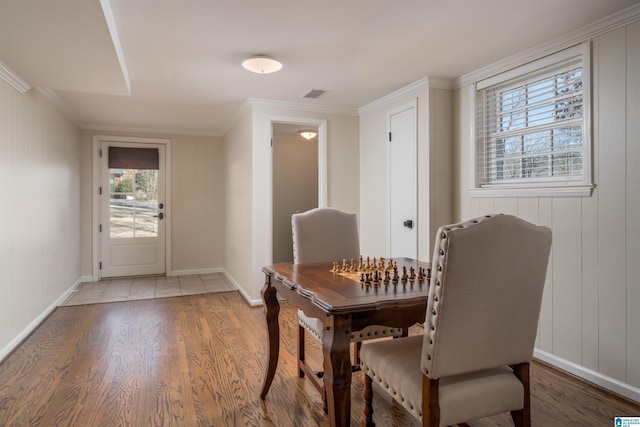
column 262, row 64
column 307, row 134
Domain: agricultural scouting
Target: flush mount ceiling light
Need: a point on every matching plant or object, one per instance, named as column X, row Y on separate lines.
column 262, row 64
column 307, row 134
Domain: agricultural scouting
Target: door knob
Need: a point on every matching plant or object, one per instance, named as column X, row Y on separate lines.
column 408, row 223
column 159, row 216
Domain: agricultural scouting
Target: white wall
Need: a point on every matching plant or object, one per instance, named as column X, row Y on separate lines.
column 39, row 210
column 435, row 176
column 238, row 174
column 197, row 211
column 590, row 318
column 197, row 198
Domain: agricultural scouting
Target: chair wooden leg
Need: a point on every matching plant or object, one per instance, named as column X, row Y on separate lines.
column 430, row 404
column 522, row 418
column 367, row 419
column 356, row 355
column 304, row 369
column 300, row 350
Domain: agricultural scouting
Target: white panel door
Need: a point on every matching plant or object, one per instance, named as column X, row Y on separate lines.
column 403, row 239
column 132, row 229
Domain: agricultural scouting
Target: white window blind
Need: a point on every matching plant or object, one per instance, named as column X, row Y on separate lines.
column 530, row 124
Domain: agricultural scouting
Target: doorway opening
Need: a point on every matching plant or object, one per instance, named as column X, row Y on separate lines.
column 297, row 173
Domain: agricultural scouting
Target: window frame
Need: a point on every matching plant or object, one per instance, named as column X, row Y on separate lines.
column 567, row 186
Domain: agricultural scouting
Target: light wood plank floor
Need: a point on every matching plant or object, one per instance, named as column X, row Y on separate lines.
column 198, row 361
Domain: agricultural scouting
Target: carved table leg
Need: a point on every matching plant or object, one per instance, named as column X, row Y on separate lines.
column 337, row 369
column 272, row 310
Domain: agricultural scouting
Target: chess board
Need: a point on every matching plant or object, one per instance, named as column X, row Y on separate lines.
column 379, row 271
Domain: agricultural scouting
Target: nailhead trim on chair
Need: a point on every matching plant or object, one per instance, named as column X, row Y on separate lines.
column 357, row 335
column 417, row 412
column 435, row 294
column 310, row 329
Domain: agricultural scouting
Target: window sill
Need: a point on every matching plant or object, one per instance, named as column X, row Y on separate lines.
column 522, row 191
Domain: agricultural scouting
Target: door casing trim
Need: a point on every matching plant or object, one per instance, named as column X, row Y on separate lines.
column 97, row 174
column 321, row 124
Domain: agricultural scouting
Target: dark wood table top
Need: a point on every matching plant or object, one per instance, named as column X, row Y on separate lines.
column 342, row 293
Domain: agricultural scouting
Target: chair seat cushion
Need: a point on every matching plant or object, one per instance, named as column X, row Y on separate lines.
column 395, row 367
column 316, row 328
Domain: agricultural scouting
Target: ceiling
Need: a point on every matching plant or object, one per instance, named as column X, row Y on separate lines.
column 175, row 65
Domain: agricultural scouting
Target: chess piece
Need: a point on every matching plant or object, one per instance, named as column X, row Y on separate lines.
column 404, row 274
column 335, row 267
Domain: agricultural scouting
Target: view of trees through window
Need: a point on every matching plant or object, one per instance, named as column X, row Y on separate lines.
column 133, row 202
column 531, row 123
column 545, row 149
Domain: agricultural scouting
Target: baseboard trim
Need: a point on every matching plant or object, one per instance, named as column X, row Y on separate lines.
column 596, row 378
column 197, row 271
column 234, row 283
column 245, row 295
column 31, row 327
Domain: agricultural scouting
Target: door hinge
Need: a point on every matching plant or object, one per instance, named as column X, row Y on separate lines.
column 100, row 191
column 272, row 142
column 389, row 136
column 100, row 152
column 100, row 228
column 100, row 265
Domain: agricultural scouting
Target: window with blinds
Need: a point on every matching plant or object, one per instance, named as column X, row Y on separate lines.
column 531, row 123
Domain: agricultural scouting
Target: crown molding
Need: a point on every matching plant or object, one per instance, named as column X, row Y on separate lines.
column 601, row 26
column 57, row 102
column 409, row 90
column 14, row 80
column 303, row 107
column 240, row 112
column 251, row 103
column 154, row 132
column 441, row 83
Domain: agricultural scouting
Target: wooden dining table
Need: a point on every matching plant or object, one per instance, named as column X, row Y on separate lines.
column 346, row 301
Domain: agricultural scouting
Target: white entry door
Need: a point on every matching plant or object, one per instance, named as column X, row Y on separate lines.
column 132, row 226
column 403, row 227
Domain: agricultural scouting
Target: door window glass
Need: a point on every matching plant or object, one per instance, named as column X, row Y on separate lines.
column 133, row 192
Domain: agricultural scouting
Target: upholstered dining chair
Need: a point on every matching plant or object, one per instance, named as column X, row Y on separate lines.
column 480, row 327
column 327, row 235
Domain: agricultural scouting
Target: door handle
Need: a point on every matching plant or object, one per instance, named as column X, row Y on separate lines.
column 408, row 223
column 159, row 216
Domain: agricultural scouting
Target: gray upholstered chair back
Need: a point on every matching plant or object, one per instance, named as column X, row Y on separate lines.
column 324, row 235
column 485, row 294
